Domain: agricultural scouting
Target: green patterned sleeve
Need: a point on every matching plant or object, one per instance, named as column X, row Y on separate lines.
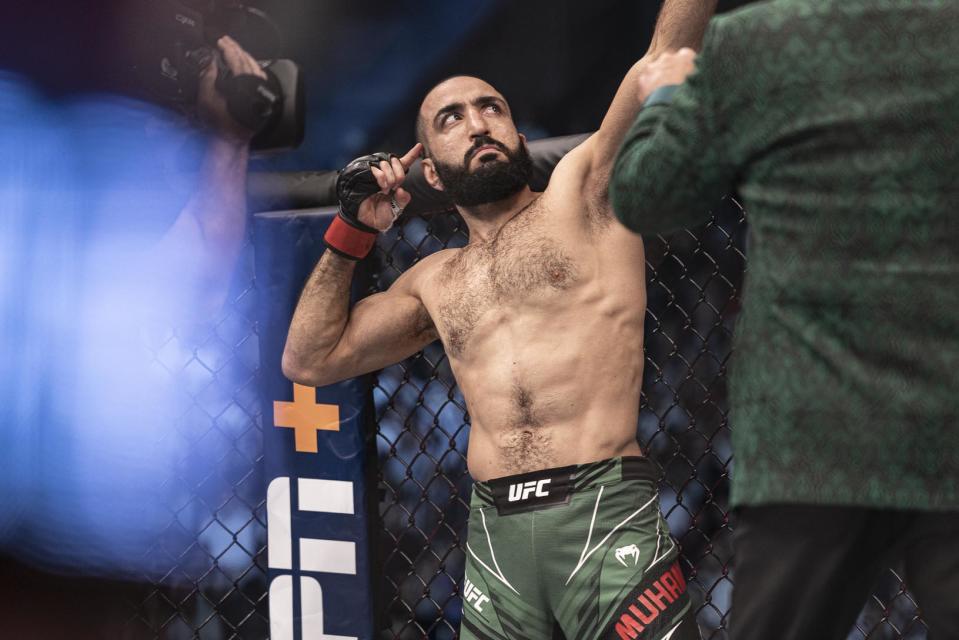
column 671, row 168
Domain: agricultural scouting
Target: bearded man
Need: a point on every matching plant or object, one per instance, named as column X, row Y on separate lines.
column 541, row 315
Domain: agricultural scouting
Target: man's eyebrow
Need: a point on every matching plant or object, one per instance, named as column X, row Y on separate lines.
column 487, row 100
column 453, row 106
column 457, row 106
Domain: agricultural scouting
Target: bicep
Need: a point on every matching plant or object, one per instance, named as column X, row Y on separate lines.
column 617, row 121
column 383, row 329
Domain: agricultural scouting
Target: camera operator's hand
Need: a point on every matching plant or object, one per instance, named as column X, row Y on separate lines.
column 211, row 104
column 199, row 252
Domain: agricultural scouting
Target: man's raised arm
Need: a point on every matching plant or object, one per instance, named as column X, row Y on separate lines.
column 687, row 147
column 328, row 342
column 681, row 24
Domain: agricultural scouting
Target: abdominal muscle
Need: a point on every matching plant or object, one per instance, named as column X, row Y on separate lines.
column 547, row 390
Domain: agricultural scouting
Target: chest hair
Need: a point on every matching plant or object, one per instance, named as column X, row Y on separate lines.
column 521, row 260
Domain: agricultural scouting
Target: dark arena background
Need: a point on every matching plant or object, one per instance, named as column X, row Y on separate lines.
column 133, row 488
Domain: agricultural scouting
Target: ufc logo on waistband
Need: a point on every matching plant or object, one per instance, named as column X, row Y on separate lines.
column 522, row 490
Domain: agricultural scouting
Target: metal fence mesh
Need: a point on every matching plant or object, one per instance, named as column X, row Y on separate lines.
column 694, row 278
column 207, row 576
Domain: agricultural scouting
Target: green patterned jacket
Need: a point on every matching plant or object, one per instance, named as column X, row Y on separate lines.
column 837, row 123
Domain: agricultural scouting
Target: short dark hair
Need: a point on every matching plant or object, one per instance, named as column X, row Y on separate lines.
column 421, row 131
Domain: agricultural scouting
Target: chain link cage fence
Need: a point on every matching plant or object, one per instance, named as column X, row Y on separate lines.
column 694, row 278
column 207, row 573
column 209, row 577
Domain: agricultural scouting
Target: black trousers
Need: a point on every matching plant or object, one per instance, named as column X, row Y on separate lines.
column 805, row 572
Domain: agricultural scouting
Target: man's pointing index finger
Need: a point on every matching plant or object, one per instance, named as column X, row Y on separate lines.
column 411, row 155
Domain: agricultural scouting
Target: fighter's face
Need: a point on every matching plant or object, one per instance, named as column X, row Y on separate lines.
column 475, row 152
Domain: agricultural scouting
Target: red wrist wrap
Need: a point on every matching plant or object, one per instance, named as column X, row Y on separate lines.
column 347, row 240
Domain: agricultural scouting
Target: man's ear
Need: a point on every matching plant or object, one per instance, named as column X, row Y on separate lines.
column 432, row 178
column 522, row 139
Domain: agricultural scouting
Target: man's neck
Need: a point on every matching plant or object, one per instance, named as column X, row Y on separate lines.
column 485, row 220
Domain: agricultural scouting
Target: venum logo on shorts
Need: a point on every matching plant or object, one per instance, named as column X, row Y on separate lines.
column 641, row 614
column 473, row 596
column 522, row 490
column 629, row 551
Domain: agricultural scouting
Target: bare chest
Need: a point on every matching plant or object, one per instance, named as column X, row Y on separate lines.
column 525, row 265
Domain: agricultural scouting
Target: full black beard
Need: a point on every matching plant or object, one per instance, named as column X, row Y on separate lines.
column 492, row 181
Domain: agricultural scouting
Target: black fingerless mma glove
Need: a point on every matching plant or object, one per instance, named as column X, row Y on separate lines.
column 355, row 183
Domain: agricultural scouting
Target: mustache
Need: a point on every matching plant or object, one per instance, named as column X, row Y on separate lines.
column 485, row 141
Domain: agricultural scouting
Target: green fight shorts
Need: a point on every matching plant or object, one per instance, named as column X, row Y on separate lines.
column 579, row 552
